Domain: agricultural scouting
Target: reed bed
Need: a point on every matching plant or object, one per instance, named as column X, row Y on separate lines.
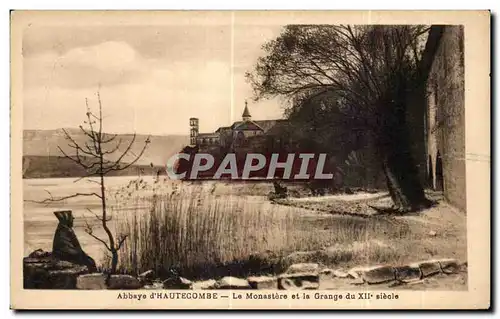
column 201, row 235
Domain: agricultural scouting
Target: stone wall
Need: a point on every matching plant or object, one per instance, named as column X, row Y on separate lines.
column 445, row 125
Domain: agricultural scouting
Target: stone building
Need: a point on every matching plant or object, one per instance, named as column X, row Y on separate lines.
column 444, row 118
column 246, row 133
column 435, row 116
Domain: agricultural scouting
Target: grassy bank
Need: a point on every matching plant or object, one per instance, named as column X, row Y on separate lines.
column 204, row 236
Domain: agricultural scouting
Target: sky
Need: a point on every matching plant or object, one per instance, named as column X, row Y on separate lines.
column 151, row 78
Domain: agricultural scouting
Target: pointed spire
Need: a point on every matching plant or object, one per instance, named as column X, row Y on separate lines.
column 246, row 113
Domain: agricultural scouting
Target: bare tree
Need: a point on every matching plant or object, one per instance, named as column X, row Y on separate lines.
column 372, row 69
column 93, row 155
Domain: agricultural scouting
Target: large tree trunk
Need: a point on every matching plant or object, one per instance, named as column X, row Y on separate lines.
column 403, row 182
column 401, row 173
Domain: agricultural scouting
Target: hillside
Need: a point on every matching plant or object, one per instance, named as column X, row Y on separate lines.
column 56, row 166
column 42, row 158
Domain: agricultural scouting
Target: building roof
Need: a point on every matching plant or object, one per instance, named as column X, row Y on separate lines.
column 223, row 128
column 246, row 112
column 246, row 126
column 265, row 125
column 270, row 124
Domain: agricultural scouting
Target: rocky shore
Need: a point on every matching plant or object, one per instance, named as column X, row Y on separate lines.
column 44, row 271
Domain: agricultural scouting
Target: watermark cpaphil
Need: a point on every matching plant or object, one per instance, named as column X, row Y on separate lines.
column 286, row 166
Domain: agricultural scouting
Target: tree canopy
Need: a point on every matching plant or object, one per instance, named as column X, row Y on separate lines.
column 343, row 79
column 361, row 64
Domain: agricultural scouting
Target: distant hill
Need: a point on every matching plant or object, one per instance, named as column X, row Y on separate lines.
column 54, row 166
column 42, row 158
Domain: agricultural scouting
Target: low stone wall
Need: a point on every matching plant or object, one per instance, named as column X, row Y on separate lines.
column 300, row 276
column 44, row 272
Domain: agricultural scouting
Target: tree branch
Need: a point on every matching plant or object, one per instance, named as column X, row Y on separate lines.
column 114, row 149
column 52, row 199
column 121, row 241
column 112, row 138
column 116, row 166
column 89, row 230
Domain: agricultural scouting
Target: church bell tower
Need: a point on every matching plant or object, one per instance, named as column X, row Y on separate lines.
column 246, row 113
column 194, row 129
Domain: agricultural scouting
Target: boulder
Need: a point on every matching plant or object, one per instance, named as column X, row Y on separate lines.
column 449, row 266
column 39, row 253
column 91, row 282
column 100, row 281
column 408, row 273
column 428, row 268
column 355, row 272
column 379, row 274
column 303, row 268
column 298, row 281
column 124, row 282
column 373, row 274
column 147, row 277
column 232, row 283
column 263, row 282
column 50, row 273
column 340, row 273
column 177, row 283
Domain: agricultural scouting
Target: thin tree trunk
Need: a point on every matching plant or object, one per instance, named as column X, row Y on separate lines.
column 114, row 260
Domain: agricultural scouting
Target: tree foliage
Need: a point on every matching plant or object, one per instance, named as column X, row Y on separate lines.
column 350, row 79
column 360, row 64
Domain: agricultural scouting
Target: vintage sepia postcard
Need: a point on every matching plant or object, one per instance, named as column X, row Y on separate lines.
column 250, row 160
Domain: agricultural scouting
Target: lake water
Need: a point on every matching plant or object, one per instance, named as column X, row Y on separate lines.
column 40, row 222
column 123, row 198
